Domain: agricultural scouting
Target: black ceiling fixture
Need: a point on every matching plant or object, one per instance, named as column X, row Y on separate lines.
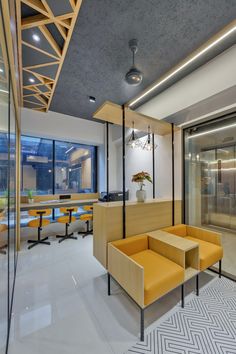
column 92, row 99
column 133, row 76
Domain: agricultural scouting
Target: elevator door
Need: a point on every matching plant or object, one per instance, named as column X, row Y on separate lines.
column 218, row 177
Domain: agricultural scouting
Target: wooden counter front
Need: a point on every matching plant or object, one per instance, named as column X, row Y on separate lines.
column 151, row 215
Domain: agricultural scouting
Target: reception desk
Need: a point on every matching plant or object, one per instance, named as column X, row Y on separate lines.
column 151, row 215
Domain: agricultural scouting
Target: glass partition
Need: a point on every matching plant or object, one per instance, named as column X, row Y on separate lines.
column 4, row 179
column 12, row 199
column 7, row 193
column 210, row 182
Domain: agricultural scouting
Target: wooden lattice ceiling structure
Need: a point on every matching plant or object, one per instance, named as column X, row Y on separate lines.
column 44, row 32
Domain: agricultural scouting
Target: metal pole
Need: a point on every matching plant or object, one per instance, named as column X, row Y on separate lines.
column 153, row 167
column 141, row 324
column 183, row 179
column 197, row 285
column 53, row 175
column 107, row 156
column 182, row 295
column 173, row 173
column 123, row 168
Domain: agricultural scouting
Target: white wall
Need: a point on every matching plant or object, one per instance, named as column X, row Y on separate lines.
column 61, row 127
column 216, row 76
column 141, row 160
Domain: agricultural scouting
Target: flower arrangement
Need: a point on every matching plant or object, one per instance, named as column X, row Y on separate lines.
column 140, row 177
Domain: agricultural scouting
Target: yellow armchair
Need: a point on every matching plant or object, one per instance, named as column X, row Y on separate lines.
column 210, row 247
column 142, row 272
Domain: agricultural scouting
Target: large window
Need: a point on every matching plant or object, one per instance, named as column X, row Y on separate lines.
column 74, row 167
column 50, row 166
column 37, row 165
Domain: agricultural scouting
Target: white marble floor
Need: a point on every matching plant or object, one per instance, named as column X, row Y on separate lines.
column 61, row 304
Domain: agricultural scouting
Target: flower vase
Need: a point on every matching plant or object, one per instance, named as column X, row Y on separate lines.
column 141, row 195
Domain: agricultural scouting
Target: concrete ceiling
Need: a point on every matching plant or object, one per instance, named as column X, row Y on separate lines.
column 98, row 56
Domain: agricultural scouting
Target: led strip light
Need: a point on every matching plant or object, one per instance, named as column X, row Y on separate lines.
column 183, row 66
column 211, row 131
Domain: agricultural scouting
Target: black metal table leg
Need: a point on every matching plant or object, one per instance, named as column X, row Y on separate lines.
column 220, row 269
column 141, row 324
column 182, row 295
column 108, row 284
column 197, row 284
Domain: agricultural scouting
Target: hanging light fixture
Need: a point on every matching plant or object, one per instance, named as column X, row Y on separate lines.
column 134, row 76
column 133, row 141
column 148, row 145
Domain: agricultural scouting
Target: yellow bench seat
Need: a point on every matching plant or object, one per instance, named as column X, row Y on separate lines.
column 160, row 274
column 209, row 253
column 210, row 248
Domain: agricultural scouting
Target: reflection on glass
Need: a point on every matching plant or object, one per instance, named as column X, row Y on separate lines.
column 4, row 170
column 74, row 168
column 36, row 158
column 210, row 182
column 12, row 198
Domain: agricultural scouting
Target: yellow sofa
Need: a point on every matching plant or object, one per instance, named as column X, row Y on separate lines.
column 142, row 272
column 210, row 248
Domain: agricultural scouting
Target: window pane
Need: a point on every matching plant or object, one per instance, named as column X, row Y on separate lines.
column 74, row 168
column 36, row 155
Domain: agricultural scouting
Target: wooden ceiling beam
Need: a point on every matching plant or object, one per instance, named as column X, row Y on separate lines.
column 72, row 4
column 50, row 39
column 34, row 21
column 38, row 104
column 62, row 30
column 65, row 24
column 38, row 76
column 41, row 65
column 41, row 99
column 39, row 50
column 40, row 19
column 47, row 7
column 36, row 5
column 65, row 47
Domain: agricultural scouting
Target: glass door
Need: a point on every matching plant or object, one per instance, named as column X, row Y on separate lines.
column 210, row 182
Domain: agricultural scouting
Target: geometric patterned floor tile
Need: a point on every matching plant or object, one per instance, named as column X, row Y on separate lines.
column 207, row 324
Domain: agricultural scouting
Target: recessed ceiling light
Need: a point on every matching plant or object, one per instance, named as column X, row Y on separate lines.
column 92, row 99
column 36, row 38
column 31, row 80
column 1, row 70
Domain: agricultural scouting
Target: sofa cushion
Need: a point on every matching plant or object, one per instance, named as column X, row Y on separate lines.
column 209, row 253
column 178, row 230
column 160, row 274
column 132, row 245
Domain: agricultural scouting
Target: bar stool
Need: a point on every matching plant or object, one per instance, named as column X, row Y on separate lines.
column 67, row 219
column 3, row 227
column 87, row 218
column 39, row 223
